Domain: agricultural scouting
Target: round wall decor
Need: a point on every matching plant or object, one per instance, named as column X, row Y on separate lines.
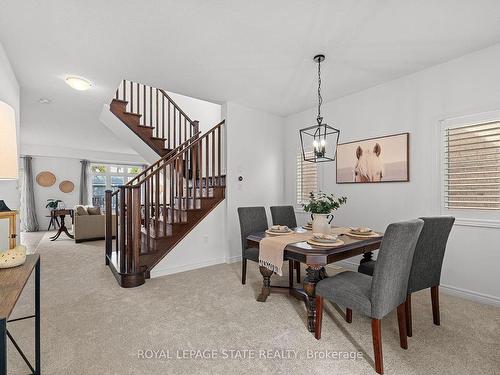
column 45, row 179
column 66, row 186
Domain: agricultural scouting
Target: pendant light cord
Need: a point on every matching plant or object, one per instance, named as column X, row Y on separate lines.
column 320, row 98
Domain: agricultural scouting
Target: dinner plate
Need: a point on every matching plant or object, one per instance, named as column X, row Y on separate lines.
column 273, row 233
column 371, row 235
column 324, row 240
column 324, row 244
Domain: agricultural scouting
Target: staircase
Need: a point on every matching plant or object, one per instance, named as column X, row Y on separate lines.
column 154, row 211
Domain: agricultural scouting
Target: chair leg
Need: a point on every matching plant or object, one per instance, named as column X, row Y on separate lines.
column 291, row 265
column 403, row 341
column 409, row 328
column 244, row 271
column 435, row 304
column 348, row 315
column 377, row 345
column 297, row 268
column 319, row 317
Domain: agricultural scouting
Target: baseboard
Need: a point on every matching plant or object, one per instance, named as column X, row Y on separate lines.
column 157, row 272
column 233, row 259
column 446, row 289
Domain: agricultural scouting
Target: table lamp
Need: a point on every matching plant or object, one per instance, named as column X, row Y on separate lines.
column 8, row 146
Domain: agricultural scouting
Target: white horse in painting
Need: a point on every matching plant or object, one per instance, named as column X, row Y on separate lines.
column 369, row 166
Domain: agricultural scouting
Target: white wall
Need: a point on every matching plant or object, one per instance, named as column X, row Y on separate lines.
column 9, row 93
column 416, row 104
column 255, row 150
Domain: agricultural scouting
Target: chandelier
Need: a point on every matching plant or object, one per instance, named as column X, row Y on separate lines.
column 319, row 142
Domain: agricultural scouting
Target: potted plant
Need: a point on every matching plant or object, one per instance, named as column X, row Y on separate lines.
column 320, row 206
column 53, row 204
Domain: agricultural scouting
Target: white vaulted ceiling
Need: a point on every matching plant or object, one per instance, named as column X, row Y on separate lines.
column 256, row 53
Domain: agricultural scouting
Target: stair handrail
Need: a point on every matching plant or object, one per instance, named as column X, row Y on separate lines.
column 174, row 157
column 164, row 158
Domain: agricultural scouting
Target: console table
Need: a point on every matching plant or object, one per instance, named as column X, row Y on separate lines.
column 12, row 282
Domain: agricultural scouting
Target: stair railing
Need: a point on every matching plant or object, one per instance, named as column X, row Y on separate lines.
column 158, row 111
column 161, row 198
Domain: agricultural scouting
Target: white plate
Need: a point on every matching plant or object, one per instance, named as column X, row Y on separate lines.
column 323, row 244
column 278, row 233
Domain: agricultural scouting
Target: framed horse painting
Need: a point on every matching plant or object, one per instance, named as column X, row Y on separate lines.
column 382, row 159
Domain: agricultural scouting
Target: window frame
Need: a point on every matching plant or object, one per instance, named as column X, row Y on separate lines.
column 318, row 188
column 467, row 217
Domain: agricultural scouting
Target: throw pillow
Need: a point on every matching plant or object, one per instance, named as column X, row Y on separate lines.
column 93, row 210
column 81, row 210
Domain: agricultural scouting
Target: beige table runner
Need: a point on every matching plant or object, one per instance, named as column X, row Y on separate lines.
column 271, row 248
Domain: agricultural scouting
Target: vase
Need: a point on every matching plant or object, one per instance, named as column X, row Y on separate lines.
column 321, row 223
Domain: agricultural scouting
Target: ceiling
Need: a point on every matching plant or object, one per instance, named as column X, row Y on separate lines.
column 256, row 53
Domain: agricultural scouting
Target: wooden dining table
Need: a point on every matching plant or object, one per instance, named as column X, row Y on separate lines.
column 315, row 258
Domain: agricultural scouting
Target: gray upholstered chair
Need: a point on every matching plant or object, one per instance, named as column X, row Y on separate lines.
column 376, row 296
column 285, row 215
column 426, row 266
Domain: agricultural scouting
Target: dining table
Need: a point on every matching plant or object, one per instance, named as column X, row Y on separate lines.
column 315, row 258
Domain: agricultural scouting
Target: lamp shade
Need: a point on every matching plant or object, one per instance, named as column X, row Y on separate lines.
column 8, row 143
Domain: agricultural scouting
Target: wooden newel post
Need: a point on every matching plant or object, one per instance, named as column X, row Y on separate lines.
column 196, row 128
column 109, row 225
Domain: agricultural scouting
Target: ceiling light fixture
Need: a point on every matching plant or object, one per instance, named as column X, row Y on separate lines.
column 78, row 83
column 44, row 101
column 322, row 139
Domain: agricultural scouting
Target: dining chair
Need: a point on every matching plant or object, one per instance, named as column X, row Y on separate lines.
column 376, row 296
column 285, row 215
column 426, row 266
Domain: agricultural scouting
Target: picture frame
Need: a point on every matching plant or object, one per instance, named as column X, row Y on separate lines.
column 374, row 160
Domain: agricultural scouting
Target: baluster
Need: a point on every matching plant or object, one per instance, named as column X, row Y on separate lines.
column 175, row 130
column 169, row 136
column 151, row 106
column 157, row 126
column 130, row 244
column 207, row 171
column 131, row 97
column 157, row 200
column 219, row 155
column 136, row 213
column 163, row 116
column 122, row 229
column 146, row 214
column 195, row 172
column 109, row 223
column 185, row 130
column 180, row 129
column 138, row 101
column 117, row 215
column 123, row 89
column 213, row 158
column 165, row 212
column 144, row 111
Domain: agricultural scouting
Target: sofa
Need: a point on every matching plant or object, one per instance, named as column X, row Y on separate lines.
column 90, row 224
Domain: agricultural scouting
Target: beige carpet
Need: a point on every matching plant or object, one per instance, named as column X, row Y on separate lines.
column 92, row 326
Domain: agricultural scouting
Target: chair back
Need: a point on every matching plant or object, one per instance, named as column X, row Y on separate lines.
column 429, row 253
column 284, row 215
column 392, row 269
column 252, row 219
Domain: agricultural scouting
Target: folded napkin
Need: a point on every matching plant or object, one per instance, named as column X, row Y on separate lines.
column 271, row 249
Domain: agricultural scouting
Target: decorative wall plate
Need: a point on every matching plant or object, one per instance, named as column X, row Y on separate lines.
column 45, row 179
column 66, row 186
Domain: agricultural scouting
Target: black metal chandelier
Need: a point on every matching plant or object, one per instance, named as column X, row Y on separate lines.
column 319, row 142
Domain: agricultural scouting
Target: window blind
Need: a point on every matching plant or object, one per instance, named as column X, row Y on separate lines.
column 307, row 177
column 472, row 167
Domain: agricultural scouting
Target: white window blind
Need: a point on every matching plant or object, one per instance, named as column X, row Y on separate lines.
column 307, row 177
column 472, row 167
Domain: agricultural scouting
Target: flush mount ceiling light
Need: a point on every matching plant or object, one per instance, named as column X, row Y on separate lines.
column 44, row 101
column 78, row 83
column 319, row 142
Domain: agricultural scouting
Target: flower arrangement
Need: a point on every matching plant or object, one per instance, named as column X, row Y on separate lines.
column 321, row 203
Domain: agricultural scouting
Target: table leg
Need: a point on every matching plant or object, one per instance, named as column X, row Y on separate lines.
column 314, row 273
column 37, row 319
column 3, row 346
column 266, row 286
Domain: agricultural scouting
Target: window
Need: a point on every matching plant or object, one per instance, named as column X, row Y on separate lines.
column 307, row 178
column 471, row 178
column 109, row 177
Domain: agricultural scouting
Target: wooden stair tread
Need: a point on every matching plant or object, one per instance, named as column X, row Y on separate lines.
column 132, row 114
